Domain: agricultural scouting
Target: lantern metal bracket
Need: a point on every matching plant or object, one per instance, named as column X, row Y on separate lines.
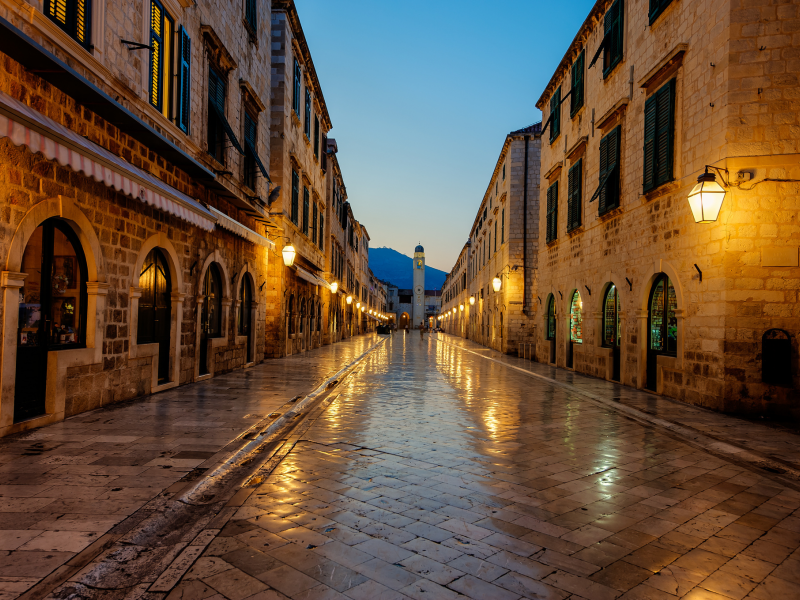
column 720, row 171
column 588, row 290
column 630, row 284
column 262, row 285
column 699, row 272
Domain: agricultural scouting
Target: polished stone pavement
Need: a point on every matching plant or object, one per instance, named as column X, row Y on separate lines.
column 439, row 474
column 64, row 486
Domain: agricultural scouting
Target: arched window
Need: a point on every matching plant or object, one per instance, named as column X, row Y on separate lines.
column 576, row 318
column 551, row 317
column 212, row 305
column 611, row 324
column 663, row 329
column 245, row 306
column 776, row 357
column 290, row 314
column 155, row 308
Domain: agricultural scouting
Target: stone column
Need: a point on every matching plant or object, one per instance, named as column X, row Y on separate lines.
column 10, row 283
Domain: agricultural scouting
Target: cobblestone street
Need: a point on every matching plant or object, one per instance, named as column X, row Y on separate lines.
column 436, row 473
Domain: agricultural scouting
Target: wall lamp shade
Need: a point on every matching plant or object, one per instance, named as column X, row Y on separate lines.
column 358, row 304
column 497, row 283
column 362, row 309
column 706, row 198
column 461, row 307
column 334, row 287
column 472, row 300
column 349, row 299
column 288, row 255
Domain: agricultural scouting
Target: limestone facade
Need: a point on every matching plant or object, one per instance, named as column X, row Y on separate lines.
column 503, row 243
column 77, row 342
column 727, row 73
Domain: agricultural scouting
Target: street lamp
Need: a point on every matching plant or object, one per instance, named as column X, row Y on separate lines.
column 472, row 300
column 461, row 307
column 349, row 299
column 334, row 287
column 358, row 304
column 706, row 198
column 497, row 283
column 362, row 308
column 288, row 254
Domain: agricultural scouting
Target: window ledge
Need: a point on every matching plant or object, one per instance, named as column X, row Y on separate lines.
column 611, row 213
column 619, row 107
column 673, row 57
column 663, row 189
column 582, row 141
column 582, row 107
column 575, row 231
column 552, row 171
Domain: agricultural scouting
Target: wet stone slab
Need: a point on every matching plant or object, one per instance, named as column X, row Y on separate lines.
column 439, row 474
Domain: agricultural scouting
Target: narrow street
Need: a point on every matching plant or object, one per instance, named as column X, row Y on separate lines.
column 435, row 473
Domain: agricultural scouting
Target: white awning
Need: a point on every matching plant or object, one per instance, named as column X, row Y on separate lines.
column 26, row 126
column 237, row 228
column 303, row 274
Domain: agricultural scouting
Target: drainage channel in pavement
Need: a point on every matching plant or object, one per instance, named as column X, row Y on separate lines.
column 156, row 545
column 786, row 474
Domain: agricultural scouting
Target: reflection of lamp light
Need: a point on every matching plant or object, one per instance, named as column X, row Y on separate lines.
column 288, row 255
column 472, row 299
column 706, row 198
column 349, row 299
column 334, row 287
column 497, row 283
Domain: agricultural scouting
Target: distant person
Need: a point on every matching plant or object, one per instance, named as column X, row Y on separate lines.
column 421, row 331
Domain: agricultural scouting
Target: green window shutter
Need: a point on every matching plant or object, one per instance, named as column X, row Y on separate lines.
column 307, row 128
column 305, row 210
column 612, row 185
column 251, row 15
column 665, row 99
column 656, row 8
column 552, row 212
column 184, row 79
column 604, row 164
column 574, row 196
column 503, row 227
column 576, row 99
column 555, row 115
column 316, row 136
column 295, row 195
column 297, row 86
column 314, row 225
column 614, row 29
column 649, row 179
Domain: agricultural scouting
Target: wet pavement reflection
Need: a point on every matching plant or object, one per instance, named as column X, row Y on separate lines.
column 437, row 474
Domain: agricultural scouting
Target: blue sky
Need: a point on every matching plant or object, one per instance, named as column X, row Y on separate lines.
column 421, row 96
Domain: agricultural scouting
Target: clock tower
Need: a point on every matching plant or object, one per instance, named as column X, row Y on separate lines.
column 418, row 308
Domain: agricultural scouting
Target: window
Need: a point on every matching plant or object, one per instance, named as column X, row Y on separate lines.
column 218, row 126
column 551, row 317
column 295, row 195
column 251, row 17
column 252, row 163
column 503, row 226
column 155, row 306
column 305, row 210
column 489, row 239
column 184, row 79
column 552, row 212
column 576, row 318
column 659, row 111
column 296, row 97
column 656, row 8
column 574, row 188
column 609, row 171
column 613, row 36
column 495, row 236
column 504, row 172
column 314, row 225
column 161, row 27
column 555, row 115
column 576, row 95
column 321, row 232
column 307, row 129
column 611, row 323
column 316, row 136
column 776, row 357
column 663, row 322
column 73, row 16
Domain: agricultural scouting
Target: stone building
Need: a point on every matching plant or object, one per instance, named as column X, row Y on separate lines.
column 637, row 287
column 132, row 153
column 298, row 128
column 416, row 306
column 490, row 294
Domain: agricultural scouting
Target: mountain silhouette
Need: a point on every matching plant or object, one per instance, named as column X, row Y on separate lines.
column 396, row 268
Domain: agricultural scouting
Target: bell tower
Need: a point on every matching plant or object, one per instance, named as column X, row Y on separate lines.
column 418, row 308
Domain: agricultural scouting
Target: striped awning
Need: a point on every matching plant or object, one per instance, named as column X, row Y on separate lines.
column 25, row 126
column 237, row 228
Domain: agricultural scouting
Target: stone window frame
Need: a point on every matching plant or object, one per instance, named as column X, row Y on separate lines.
column 222, row 340
column 241, row 340
column 136, row 350
column 611, row 278
column 12, row 280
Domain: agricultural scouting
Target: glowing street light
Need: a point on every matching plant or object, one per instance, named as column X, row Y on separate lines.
column 706, row 198
column 497, row 283
column 334, row 287
column 289, row 254
column 349, row 299
column 472, row 300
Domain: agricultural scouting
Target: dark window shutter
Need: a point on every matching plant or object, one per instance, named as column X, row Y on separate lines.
column 297, row 86
column 613, row 28
column 305, row 210
column 552, row 212
column 612, row 186
column 321, row 234
column 251, row 15
column 604, row 164
column 324, row 152
column 316, row 136
column 307, row 126
column 665, row 101
column 295, row 195
column 184, row 79
column 555, row 114
column 156, row 52
column 649, row 180
column 574, row 190
column 656, row 8
column 576, row 99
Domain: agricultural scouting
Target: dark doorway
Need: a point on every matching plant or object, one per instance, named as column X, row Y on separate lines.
column 551, row 327
column 245, row 316
column 611, row 329
column 155, row 309
column 776, row 357
column 662, row 327
column 52, row 310
column 211, row 318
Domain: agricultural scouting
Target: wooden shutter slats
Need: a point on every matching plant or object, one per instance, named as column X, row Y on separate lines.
column 574, row 191
column 184, row 79
column 650, row 107
column 658, row 136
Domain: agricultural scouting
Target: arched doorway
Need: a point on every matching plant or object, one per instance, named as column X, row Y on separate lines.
column 52, row 310
column 550, row 326
column 575, row 326
column 404, row 321
column 211, row 320
column 611, row 329
column 244, row 320
column 662, row 326
column 155, row 309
